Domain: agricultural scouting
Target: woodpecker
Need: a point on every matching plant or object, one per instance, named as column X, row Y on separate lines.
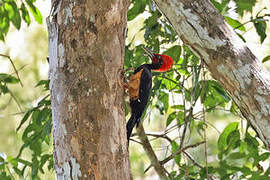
column 140, row 85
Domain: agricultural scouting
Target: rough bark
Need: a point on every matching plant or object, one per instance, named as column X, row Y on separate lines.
column 204, row 30
column 87, row 40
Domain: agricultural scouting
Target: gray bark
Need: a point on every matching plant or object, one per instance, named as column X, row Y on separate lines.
column 87, row 40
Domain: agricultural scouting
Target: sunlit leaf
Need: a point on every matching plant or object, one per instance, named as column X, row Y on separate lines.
column 12, row 161
column 234, row 23
column 4, row 21
column 25, row 14
column 34, row 11
column 13, row 14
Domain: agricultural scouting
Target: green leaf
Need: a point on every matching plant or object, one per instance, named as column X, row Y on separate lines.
column 234, row 23
column 137, row 8
column 4, row 176
column 4, row 21
column 13, row 14
column 34, row 11
column 181, row 107
column 27, row 163
column 264, row 156
column 222, row 140
column 222, row 7
column 240, row 35
column 4, row 89
column 35, row 144
column 265, row 59
column 26, row 116
column 163, row 102
column 233, row 140
column 174, row 52
column 217, row 5
column 175, row 147
column 8, row 78
column 260, row 27
column 12, row 161
column 44, row 159
column 2, row 38
column 236, row 155
column 180, row 117
column 170, row 118
column 18, row 171
column 36, row 117
column 220, row 90
column 25, row 14
column 244, row 5
column 251, row 141
column 35, row 166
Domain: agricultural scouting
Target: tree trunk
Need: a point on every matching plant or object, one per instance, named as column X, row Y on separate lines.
column 204, row 30
column 87, row 40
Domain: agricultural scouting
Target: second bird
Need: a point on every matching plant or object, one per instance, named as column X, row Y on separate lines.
column 140, row 85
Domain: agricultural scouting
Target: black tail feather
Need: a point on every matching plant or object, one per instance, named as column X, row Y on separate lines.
column 130, row 125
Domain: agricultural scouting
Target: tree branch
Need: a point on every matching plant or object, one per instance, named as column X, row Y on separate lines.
column 150, row 153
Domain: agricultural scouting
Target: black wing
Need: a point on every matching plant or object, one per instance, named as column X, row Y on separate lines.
column 138, row 105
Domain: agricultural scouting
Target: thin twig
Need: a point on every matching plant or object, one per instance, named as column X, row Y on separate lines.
column 164, row 161
column 6, row 56
column 187, row 120
column 6, row 105
column 204, row 133
column 178, row 151
column 185, row 113
column 191, row 158
column 164, row 136
column 17, row 102
column 135, row 141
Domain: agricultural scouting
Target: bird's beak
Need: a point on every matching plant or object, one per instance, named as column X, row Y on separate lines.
column 149, row 53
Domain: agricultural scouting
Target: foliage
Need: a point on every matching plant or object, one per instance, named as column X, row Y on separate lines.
column 12, row 12
column 237, row 152
column 36, row 138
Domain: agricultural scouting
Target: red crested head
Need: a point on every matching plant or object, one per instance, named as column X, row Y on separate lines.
column 161, row 62
column 167, row 62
